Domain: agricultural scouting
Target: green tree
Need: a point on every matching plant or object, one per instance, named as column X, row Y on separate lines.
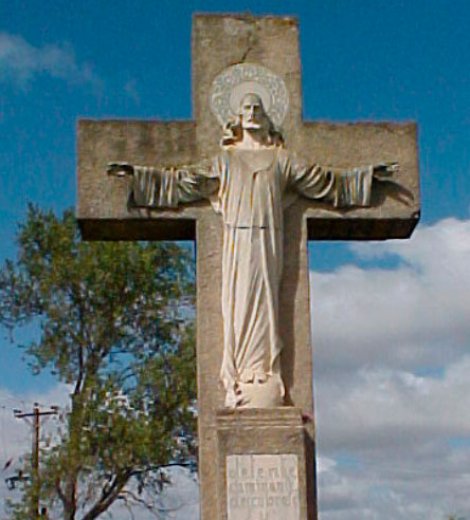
column 115, row 324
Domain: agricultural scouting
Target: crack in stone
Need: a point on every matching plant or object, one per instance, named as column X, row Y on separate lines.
column 252, row 39
column 245, row 54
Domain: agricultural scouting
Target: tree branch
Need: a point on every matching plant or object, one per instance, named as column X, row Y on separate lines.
column 108, row 496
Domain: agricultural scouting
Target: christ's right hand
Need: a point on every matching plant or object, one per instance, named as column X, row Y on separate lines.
column 120, row 169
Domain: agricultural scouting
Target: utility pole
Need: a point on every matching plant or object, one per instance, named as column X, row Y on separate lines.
column 36, row 415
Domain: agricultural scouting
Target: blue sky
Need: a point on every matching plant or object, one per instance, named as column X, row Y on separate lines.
column 362, row 60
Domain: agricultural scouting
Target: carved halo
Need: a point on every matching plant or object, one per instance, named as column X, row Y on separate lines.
column 233, row 83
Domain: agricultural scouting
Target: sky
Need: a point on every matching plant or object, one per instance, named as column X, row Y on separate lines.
column 390, row 323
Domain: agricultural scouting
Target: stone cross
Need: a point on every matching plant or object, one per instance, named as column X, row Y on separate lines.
column 234, row 445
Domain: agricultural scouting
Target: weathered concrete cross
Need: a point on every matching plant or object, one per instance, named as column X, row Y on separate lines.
column 218, row 42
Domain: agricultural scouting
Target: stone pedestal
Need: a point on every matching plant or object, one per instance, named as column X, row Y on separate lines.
column 265, row 465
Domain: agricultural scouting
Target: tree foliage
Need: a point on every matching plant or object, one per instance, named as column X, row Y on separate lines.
column 115, row 324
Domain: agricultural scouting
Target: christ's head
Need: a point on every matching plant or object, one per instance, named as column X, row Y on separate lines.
column 251, row 117
column 252, row 113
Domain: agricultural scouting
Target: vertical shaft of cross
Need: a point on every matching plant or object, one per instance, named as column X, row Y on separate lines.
column 217, row 43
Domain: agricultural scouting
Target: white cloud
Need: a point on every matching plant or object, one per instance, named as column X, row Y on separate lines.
column 395, row 407
column 413, row 316
column 392, row 350
column 21, row 61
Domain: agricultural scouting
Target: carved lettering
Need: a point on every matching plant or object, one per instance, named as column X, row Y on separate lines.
column 262, row 487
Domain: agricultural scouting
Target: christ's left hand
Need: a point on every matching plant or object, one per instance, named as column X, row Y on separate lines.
column 385, row 170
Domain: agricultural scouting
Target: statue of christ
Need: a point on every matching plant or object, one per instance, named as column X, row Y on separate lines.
column 250, row 183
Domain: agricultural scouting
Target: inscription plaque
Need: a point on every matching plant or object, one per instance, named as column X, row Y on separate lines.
column 262, row 487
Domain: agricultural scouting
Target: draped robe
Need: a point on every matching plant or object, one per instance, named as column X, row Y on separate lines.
column 250, row 190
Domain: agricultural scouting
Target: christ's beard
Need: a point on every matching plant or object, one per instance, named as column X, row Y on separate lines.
column 252, row 125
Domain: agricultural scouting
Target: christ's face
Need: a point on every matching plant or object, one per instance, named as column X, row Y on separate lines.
column 252, row 113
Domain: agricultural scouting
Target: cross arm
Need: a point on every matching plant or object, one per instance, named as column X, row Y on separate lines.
column 395, row 204
column 102, row 209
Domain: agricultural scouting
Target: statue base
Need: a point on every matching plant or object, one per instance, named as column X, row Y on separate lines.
column 265, row 465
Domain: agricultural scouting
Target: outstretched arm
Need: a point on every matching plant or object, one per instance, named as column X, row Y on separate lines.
column 167, row 187
column 341, row 188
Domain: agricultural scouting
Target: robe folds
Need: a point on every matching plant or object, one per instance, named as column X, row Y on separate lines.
column 250, row 190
